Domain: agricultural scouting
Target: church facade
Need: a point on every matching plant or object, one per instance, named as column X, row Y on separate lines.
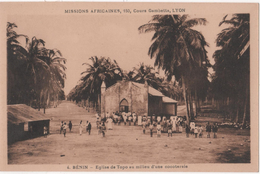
column 128, row 96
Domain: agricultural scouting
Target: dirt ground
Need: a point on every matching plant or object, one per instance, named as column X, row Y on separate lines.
column 126, row 144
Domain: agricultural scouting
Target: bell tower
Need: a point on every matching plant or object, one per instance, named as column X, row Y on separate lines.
column 103, row 104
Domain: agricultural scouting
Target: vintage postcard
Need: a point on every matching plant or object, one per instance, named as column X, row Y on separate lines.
column 129, row 87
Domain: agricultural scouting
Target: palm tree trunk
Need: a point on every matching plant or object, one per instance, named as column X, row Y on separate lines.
column 48, row 99
column 99, row 103
column 237, row 113
column 245, row 107
column 191, row 107
column 213, row 102
column 39, row 101
column 185, row 99
column 196, row 102
column 199, row 104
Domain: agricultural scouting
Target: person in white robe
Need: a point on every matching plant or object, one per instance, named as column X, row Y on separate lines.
column 80, row 127
column 109, row 124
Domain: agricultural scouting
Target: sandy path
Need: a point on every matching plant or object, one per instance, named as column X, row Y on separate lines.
column 123, row 144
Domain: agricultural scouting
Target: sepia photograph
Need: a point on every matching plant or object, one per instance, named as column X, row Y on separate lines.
column 103, row 87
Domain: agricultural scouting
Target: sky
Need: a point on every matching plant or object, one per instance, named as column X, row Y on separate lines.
column 115, row 36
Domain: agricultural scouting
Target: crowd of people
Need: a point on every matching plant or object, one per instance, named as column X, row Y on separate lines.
column 158, row 124
column 155, row 124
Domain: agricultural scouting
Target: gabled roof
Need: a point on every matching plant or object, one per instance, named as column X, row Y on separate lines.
column 21, row 113
column 168, row 100
column 151, row 90
column 154, row 92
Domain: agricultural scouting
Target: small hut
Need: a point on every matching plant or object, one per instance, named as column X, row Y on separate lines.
column 25, row 122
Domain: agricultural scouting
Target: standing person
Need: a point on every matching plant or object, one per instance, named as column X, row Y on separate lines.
column 134, row 118
column 169, row 128
column 115, row 119
column 174, row 124
column 177, row 126
column 99, row 128
column 192, row 127
column 208, row 129
column 153, row 118
column 159, row 130
column 187, row 130
column 124, row 117
column 107, row 115
column 215, row 130
column 200, row 131
column 180, row 126
column 130, row 119
column 164, row 124
column 151, row 129
column 103, row 129
column 196, row 131
column 45, row 131
column 80, row 127
column 119, row 119
column 158, row 119
column 109, row 124
column 61, row 127
column 97, row 119
column 64, row 129
column 143, row 125
column 88, row 127
column 70, row 126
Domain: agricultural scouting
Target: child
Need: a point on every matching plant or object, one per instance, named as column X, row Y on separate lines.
column 151, row 129
column 169, row 129
column 159, row 130
column 196, row 131
column 187, row 129
column 200, row 131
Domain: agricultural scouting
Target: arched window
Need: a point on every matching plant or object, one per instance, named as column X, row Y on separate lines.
column 123, row 107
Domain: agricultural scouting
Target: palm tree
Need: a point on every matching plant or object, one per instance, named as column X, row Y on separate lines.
column 101, row 69
column 16, row 85
column 37, row 70
column 55, row 61
column 232, row 63
column 177, row 48
column 145, row 73
column 33, row 71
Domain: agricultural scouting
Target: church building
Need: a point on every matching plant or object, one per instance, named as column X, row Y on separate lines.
column 128, row 96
